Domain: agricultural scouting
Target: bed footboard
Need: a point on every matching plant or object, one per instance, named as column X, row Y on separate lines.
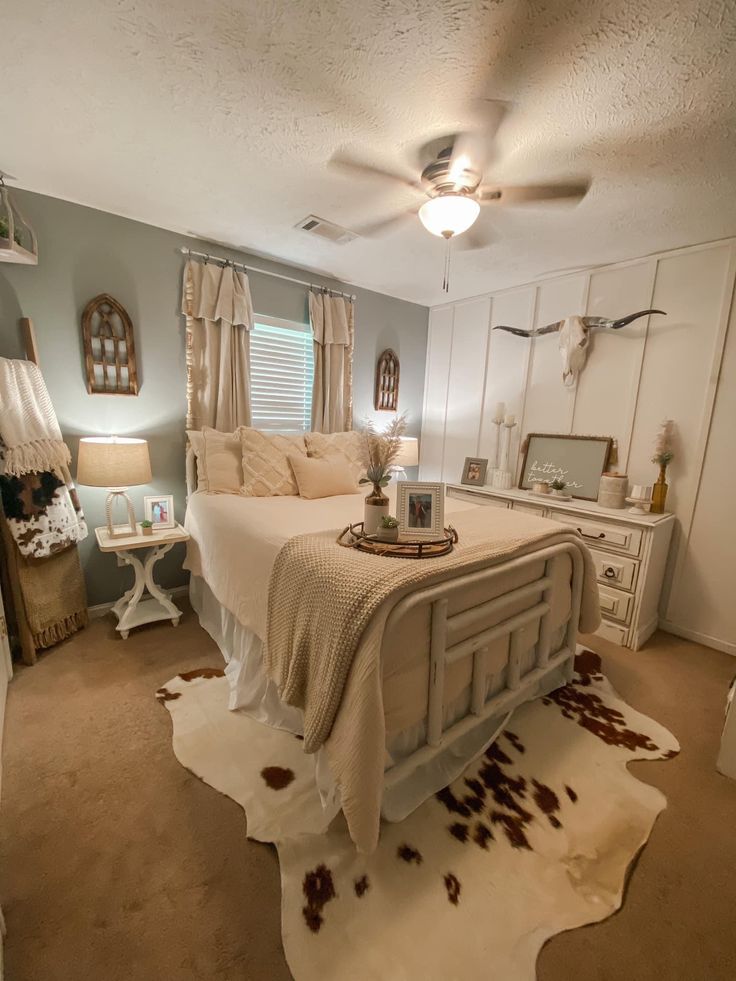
column 468, row 634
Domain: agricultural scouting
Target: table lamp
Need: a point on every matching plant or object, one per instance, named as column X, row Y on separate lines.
column 115, row 462
column 408, row 456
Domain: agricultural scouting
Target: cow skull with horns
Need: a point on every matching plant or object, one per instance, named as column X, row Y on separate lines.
column 574, row 339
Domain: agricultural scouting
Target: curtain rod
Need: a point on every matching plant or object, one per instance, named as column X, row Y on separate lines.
column 266, row 272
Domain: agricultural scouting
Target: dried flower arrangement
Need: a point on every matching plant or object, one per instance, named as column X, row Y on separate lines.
column 663, row 443
column 379, row 451
column 663, row 454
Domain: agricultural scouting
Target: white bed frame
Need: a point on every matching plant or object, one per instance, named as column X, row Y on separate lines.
column 479, row 626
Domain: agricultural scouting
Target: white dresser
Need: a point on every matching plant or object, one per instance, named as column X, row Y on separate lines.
column 629, row 552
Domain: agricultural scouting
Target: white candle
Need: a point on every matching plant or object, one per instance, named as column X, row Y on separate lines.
column 500, row 409
column 510, row 420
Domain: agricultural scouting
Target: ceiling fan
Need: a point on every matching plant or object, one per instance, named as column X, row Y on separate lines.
column 454, row 185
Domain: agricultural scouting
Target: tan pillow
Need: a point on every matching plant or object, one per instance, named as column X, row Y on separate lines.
column 223, row 462
column 345, row 447
column 266, row 468
column 196, row 441
column 322, row 478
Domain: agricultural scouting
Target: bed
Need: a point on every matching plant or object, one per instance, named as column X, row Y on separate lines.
column 449, row 660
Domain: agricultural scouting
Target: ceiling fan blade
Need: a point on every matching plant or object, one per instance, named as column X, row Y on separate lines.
column 529, row 193
column 378, row 228
column 351, row 167
column 474, row 149
column 473, row 240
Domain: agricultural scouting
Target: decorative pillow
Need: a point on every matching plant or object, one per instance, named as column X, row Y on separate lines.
column 345, row 447
column 196, row 441
column 326, row 477
column 223, row 462
column 266, row 468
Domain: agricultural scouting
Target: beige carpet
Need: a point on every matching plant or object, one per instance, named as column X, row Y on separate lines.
column 118, row 864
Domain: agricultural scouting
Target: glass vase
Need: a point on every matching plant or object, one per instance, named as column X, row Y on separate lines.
column 659, row 492
column 376, row 507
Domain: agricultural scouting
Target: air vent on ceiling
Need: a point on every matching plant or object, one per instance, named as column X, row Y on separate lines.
column 326, row 229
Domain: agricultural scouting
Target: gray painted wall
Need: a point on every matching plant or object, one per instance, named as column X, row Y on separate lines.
column 84, row 252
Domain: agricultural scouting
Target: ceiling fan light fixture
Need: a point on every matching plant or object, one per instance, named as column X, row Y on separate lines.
column 448, row 215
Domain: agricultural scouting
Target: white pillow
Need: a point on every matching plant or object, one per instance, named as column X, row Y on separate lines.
column 223, row 461
column 345, row 447
column 326, row 477
column 266, row 468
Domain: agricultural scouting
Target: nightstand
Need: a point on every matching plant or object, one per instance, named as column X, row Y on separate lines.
column 132, row 609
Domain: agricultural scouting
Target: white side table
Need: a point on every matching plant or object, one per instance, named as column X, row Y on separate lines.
column 132, row 609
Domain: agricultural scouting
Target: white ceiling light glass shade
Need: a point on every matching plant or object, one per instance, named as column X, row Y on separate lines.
column 449, row 214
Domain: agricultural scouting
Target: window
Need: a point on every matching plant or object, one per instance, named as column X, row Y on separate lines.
column 281, row 374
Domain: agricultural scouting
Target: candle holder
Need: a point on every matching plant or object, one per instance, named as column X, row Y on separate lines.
column 497, row 422
column 502, row 476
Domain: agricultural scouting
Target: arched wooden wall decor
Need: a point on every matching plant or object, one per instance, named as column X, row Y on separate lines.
column 109, row 349
column 387, row 382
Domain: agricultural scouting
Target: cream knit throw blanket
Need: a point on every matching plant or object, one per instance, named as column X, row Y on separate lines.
column 28, row 426
column 322, row 597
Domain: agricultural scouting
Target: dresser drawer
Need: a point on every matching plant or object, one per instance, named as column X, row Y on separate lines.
column 491, row 502
column 615, row 604
column 613, row 631
column 612, row 536
column 529, row 508
column 617, row 570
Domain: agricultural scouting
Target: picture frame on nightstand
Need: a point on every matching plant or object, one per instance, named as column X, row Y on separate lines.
column 159, row 510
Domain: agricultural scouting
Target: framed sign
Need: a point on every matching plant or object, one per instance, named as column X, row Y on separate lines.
column 578, row 460
column 420, row 509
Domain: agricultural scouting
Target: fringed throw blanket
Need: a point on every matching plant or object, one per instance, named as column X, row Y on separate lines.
column 43, row 517
column 54, row 596
column 29, row 429
column 43, row 512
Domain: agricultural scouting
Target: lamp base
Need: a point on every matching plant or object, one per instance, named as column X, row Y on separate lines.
column 120, row 531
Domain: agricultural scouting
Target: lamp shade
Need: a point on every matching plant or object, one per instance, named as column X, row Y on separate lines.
column 408, row 455
column 449, row 214
column 113, row 461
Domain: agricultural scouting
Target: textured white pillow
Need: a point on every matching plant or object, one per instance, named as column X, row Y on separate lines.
column 345, row 447
column 266, row 468
column 196, row 441
column 223, row 461
column 326, row 477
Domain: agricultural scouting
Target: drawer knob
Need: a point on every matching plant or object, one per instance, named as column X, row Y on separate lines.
column 609, row 572
column 588, row 534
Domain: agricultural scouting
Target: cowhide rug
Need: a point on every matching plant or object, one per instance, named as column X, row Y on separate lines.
column 535, row 838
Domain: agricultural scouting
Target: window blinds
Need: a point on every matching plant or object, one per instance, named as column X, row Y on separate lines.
column 281, row 376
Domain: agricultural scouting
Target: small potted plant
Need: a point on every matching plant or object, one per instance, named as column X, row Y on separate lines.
column 146, row 527
column 558, row 486
column 388, row 529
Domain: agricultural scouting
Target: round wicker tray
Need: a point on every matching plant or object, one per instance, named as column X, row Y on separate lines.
column 353, row 537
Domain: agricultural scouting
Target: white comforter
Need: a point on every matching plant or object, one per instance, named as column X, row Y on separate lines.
column 237, row 567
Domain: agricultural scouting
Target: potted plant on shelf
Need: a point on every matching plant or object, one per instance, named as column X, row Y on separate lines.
column 146, row 527
column 558, row 487
column 388, row 530
column 379, row 452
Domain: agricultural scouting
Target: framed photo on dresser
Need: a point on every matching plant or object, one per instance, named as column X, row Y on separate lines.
column 420, row 509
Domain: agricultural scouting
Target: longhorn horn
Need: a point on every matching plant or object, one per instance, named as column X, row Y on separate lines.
column 549, row 329
column 622, row 322
column 588, row 321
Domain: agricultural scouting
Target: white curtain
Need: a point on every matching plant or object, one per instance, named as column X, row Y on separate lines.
column 218, row 308
column 333, row 325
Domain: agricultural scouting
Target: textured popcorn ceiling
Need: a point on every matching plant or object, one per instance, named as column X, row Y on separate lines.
column 219, row 118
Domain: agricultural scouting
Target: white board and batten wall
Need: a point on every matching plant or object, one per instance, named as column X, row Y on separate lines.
column 682, row 366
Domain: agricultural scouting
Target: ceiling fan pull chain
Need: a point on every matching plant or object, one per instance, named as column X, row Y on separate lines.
column 446, row 278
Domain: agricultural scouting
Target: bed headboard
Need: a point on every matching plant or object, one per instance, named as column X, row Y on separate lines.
column 191, row 470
